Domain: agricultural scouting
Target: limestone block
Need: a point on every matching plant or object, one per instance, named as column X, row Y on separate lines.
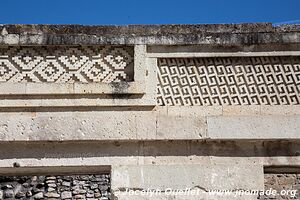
column 145, row 122
column 100, row 125
column 9, row 88
column 176, row 127
column 31, row 39
column 280, row 110
column 254, row 127
column 241, row 110
column 12, row 39
column 205, row 177
column 40, row 88
column 192, row 111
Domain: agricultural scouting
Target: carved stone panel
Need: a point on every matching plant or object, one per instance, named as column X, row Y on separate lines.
column 229, row 81
column 106, row 64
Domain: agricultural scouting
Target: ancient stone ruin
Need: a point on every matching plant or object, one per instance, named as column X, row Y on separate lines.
column 137, row 112
column 57, row 187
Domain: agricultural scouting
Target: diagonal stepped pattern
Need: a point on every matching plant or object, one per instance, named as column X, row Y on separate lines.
column 66, row 64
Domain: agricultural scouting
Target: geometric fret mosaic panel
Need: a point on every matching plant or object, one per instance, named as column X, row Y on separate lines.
column 229, row 81
column 50, row 64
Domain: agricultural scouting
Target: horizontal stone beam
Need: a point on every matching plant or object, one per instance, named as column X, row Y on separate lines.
column 159, row 123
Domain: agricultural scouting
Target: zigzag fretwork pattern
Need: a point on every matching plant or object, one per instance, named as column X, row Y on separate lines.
column 66, row 64
column 229, row 81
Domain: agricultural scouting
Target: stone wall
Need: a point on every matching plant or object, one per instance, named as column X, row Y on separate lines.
column 283, row 182
column 55, row 187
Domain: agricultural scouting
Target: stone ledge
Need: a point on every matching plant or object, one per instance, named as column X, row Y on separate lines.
column 233, row 34
column 87, row 156
column 144, row 123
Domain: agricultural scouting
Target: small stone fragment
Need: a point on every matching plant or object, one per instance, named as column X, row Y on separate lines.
column 50, row 181
column 25, row 185
column 52, row 185
column 67, row 184
column 50, row 178
column 94, row 186
column 84, row 177
column 20, row 194
column 79, row 196
column 97, row 195
column 51, row 189
column 77, row 182
column 79, row 191
column 34, row 178
column 66, row 195
column 39, row 195
column 36, row 190
column 8, row 193
column 103, row 187
column 41, row 179
column 89, row 195
column 28, row 193
column 52, row 195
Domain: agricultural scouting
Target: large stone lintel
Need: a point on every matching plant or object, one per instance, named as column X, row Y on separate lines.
column 144, row 123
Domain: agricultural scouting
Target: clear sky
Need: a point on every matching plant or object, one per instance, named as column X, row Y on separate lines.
column 148, row 11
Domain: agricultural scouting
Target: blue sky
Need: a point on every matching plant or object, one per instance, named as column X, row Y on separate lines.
column 148, row 12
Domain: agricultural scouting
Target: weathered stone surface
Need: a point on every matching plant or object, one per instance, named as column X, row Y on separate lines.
column 20, row 194
column 189, row 127
column 67, row 184
column 39, row 195
column 249, row 127
column 28, row 193
column 51, row 189
column 52, row 185
column 238, row 34
column 195, row 176
column 51, row 195
column 8, row 193
column 280, row 182
column 66, row 195
column 79, row 196
column 162, row 123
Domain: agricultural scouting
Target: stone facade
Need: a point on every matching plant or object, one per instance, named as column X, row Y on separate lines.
column 158, row 108
column 56, row 187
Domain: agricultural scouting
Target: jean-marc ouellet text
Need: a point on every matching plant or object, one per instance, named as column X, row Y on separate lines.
column 200, row 192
